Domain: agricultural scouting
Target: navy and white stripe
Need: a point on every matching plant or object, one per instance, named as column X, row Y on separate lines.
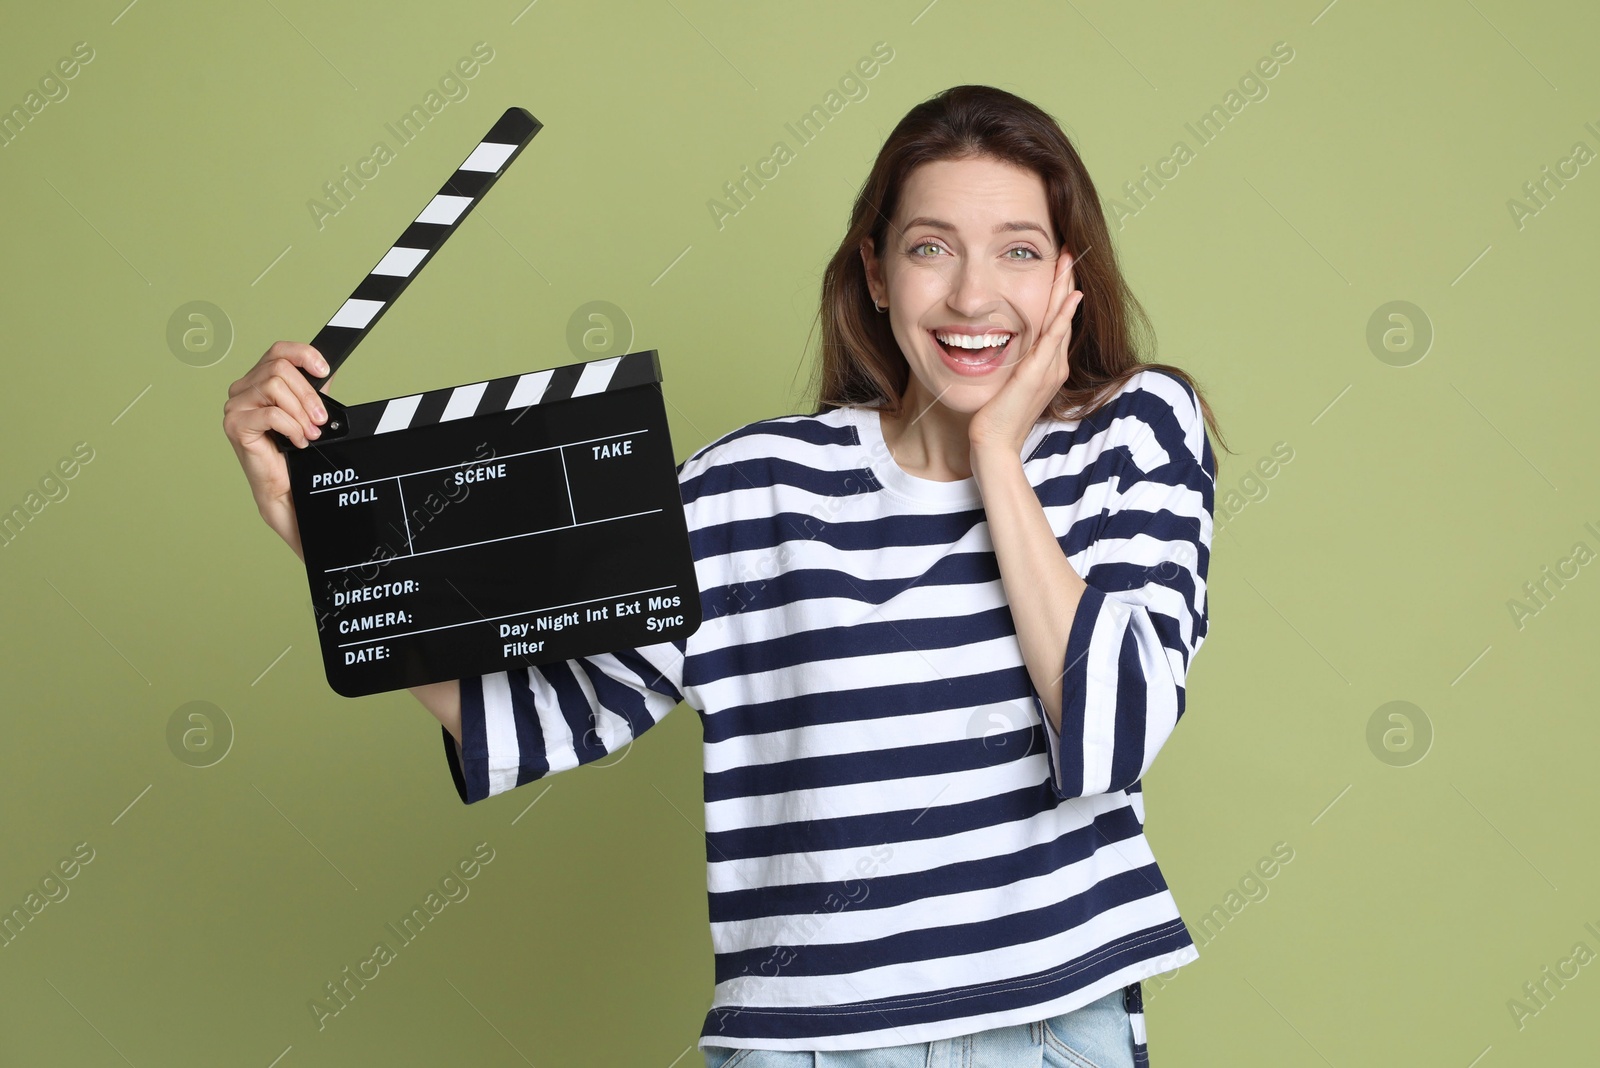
column 428, row 231
column 1133, row 1001
column 583, row 379
column 899, row 846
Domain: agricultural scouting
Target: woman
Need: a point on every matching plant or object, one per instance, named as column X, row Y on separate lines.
column 948, row 618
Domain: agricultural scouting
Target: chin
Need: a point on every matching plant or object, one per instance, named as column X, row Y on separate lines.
column 960, row 394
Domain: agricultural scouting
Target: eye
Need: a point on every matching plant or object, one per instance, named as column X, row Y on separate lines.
column 1022, row 248
column 922, row 245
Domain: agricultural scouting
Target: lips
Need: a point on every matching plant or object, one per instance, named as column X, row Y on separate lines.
column 974, row 362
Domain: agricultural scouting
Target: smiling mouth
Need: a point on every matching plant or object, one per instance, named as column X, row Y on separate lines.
column 975, row 351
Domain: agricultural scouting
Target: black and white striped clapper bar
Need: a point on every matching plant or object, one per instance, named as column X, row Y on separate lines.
column 485, row 527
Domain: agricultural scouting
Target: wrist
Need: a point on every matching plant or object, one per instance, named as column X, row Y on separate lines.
column 994, row 464
column 984, row 437
column 995, row 455
column 285, row 527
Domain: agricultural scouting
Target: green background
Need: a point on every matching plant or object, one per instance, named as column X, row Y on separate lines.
column 1375, row 566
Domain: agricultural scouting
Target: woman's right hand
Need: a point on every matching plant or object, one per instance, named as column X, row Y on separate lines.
column 275, row 395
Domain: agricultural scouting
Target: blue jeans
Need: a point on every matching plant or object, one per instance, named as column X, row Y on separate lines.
column 1098, row 1035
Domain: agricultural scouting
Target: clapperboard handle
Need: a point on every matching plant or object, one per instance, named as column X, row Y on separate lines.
column 428, row 231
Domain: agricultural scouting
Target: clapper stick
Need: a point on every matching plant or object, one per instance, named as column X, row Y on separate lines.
column 433, row 226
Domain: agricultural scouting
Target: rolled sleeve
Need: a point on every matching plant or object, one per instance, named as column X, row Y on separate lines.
column 1143, row 613
column 521, row 725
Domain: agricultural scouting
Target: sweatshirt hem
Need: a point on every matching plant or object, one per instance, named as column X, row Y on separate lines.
column 924, row 1018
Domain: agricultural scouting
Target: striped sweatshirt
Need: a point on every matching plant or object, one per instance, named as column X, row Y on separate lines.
column 900, row 847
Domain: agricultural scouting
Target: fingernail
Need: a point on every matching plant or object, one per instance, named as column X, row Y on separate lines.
column 320, row 414
column 315, row 431
column 322, row 367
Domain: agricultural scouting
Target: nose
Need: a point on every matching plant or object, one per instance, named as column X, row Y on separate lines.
column 973, row 286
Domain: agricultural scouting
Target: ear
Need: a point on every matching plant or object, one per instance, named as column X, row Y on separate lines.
column 869, row 260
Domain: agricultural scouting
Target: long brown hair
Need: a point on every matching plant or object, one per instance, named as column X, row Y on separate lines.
column 861, row 363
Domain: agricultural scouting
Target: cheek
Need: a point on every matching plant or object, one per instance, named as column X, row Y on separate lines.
column 1034, row 303
column 921, row 285
column 911, row 347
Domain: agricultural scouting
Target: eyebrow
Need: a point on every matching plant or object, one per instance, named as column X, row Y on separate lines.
column 940, row 224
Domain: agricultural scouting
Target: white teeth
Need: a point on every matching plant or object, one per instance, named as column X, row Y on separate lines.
column 974, row 341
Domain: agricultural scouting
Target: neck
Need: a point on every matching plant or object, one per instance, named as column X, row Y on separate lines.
column 927, row 439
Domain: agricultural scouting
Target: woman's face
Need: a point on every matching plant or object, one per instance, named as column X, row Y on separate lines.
column 969, row 255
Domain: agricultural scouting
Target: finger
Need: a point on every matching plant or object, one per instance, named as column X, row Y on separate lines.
column 1066, row 280
column 277, row 391
column 1042, row 330
column 297, row 353
column 1057, row 320
column 1062, row 280
column 1068, row 313
column 1069, row 282
column 253, row 424
column 1063, row 322
column 302, row 355
column 303, row 390
column 1053, row 342
column 1060, row 290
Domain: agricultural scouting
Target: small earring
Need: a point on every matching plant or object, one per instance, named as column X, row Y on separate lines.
column 875, row 305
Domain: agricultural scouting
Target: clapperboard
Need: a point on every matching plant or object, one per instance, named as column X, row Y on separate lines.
column 483, row 527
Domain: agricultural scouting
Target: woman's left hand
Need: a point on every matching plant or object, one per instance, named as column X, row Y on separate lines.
column 1007, row 417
